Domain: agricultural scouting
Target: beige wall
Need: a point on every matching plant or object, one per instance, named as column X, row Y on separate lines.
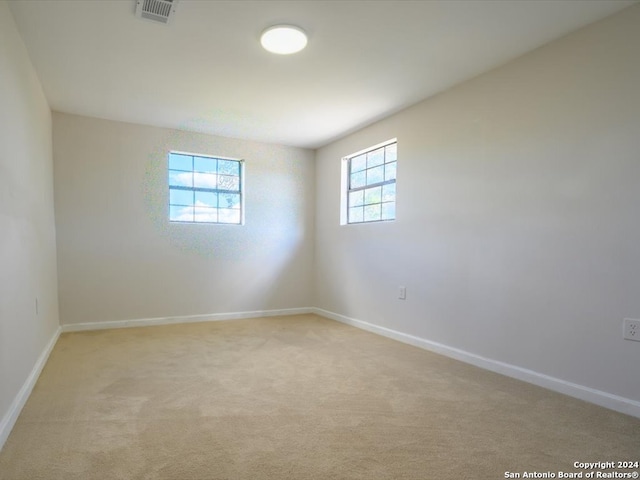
column 121, row 259
column 517, row 232
column 27, row 235
column 518, row 226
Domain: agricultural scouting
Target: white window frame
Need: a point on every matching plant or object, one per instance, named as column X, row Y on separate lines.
column 215, row 190
column 345, row 185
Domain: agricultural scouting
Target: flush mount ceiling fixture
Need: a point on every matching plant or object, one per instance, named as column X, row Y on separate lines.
column 283, row 39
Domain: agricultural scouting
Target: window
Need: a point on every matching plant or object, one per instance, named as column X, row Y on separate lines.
column 369, row 179
column 204, row 189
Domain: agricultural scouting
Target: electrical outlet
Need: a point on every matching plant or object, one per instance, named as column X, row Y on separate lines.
column 631, row 329
column 402, row 293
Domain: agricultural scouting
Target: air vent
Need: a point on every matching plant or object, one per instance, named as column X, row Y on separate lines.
column 161, row 11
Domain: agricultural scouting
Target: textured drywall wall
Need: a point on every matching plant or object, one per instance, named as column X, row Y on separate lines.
column 27, row 232
column 517, row 233
column 119, row 256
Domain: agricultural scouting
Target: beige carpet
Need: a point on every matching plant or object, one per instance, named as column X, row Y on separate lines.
column 296, row 397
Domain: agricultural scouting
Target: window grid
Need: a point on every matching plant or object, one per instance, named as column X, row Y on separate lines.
column 204, row 189
column 371, row 185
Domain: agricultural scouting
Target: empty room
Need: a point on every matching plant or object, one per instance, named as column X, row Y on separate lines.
column 319, row 239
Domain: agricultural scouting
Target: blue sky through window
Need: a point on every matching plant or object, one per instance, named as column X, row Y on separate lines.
column 204, row 189
column 371, row 189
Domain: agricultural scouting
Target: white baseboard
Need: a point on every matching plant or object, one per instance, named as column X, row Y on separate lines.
column 604, row 399
column 9, row 420
column 212, row 317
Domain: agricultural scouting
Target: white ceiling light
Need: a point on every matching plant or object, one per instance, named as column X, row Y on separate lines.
column 283, row 39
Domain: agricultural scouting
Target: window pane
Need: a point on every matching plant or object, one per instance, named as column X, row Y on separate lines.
column 358, row 163
column 372, row 195
column 195, row 186
column 358, row 179
column 206, row 199
column 205, row 214
column 375, row 158
column 180, row 214
column 389, row 192
column 229, row 167
column 371, row 190
column 204, row 164
column 180, row 179
column 180, row 197
column 180, row 162
column 229, row 200
column 388, row 211
column 204, row 180
column 390, row 171
column 372, row 213
column 356, row 198
column 227, row 182
column 228, row 215
column 391, row 153
column 375, row 175
column 356, row 214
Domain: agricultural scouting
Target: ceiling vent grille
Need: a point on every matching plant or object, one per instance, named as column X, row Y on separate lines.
column 161, row 11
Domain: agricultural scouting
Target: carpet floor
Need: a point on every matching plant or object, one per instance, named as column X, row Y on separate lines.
column 298, row 397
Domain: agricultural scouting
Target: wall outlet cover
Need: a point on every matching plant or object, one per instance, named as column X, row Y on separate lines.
column 631, row 329
column 402, row 292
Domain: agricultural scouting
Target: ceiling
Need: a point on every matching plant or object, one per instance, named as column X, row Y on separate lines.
column 207, row 72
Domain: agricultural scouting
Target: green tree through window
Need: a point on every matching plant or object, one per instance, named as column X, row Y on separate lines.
column 205, row 189
column 371, row 184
